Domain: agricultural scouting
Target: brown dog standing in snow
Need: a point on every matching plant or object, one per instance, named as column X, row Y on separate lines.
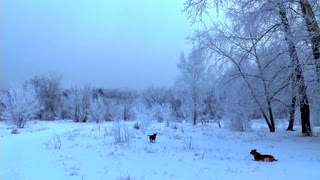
column 262, row 157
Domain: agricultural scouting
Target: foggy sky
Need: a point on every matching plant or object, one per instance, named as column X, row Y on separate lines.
column 111, row 44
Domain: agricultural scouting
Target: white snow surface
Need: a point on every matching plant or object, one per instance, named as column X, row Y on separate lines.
column 88, row 152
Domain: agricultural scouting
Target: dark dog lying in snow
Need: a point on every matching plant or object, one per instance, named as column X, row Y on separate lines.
column 152, row 138
column 262, row 157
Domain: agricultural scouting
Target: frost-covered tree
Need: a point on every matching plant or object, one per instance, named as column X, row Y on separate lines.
column 49, row 93
column 299, row 80
column 176, row 108
column 66, row 105
column 311, row 15
column 80, row 103
column 153, row 96
column 211, row 107
column 21, row 104
column 97, row 110
column 249, row 59
column 2, row 106
column 237, row 104
column 191, row 81
column 159, row 103
column 121, row 103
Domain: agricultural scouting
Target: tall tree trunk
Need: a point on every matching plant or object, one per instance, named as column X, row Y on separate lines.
column 194, row 117
column 76, row 117
column 271, row 123
column 313, row 29
column 292, row 112
column 298, row 76
column 195, row 108
column 272, row 128
column 314, row 32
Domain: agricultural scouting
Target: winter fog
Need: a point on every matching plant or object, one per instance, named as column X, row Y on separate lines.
column 187, row 89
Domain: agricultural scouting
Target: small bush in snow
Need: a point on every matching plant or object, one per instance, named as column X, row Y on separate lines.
column 188, row 143
column 54, row 142
column 161, row 113
column 121, row 132
column 174, row 126
column 125, row 178
column 21, row 104
column 143, row 117
column 159, row 116
column 14, row 131
column 71, row 169
column 238, row 109
column 167, row 123
column 238, row 123
column 136, row 125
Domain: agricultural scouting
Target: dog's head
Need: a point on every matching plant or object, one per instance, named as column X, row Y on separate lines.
column 253, row 151
column 155, row 134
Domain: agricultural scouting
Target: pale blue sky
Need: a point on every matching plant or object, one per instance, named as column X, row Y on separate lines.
column 106, row 43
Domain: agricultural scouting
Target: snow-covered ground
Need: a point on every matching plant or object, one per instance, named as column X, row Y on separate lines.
column 68, row 150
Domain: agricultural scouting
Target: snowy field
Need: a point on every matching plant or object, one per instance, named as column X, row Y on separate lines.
column 68, row 150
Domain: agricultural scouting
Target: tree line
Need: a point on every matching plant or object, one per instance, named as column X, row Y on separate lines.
column 43, row 97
